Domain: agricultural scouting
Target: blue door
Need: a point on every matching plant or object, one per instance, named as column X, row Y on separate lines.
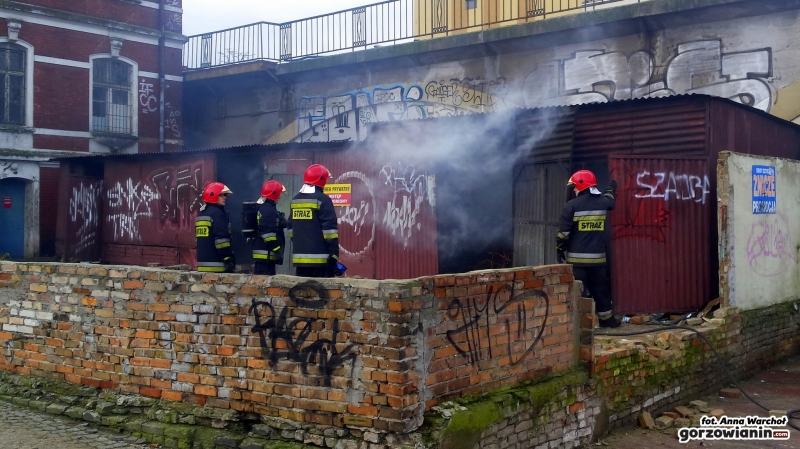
column 12, row 217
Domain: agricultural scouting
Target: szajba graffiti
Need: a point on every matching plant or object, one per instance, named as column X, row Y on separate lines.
column 286, row 336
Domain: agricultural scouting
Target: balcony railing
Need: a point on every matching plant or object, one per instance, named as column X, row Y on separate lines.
column 385, row 23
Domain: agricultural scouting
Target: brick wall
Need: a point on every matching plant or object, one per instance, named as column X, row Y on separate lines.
column 342, row 353
column 642, row 373
column 496, row 329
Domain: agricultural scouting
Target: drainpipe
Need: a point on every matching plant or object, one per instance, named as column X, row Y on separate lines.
column 161, row 72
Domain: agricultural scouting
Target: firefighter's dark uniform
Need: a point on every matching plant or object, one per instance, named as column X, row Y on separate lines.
column 582, row 237
column 314, row 233
column 214, row 252
column 270, row 241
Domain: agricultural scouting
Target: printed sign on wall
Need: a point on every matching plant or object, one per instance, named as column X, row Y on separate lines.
column 764, row 189
column 6, row 202
column 339, row 193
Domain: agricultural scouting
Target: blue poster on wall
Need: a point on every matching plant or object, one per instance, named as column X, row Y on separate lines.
column 764, row 189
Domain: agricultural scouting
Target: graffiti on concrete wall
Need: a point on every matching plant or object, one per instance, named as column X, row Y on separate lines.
column 345, row 117
column 771, row 250
column 698, row 67
column 284, row 336
column 84, row 216
column 411, row 191
column 585, row 76
column 524, row 316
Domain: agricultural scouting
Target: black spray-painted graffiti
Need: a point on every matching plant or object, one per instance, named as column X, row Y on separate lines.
column 285, row 338
column 477, row 319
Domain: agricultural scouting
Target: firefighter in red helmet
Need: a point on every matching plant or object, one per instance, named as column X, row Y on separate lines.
column 581, row 240
column 213, row 231
column 270, row 241
column 313, row 227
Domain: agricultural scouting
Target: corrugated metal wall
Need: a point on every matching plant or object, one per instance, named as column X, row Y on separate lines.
column 389, row 230
column 48, row 205
column 743, row 130
column 661, row 234
column 149, row 208
column 540, row 182
column 84, row 218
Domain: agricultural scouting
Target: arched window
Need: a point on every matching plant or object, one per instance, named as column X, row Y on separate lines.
column 12, row 83
column 112, row 111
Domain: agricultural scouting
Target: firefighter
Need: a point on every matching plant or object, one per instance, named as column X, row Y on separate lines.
column 313, row 227
column 214, row 252
column 269, row 241
column 582, row 240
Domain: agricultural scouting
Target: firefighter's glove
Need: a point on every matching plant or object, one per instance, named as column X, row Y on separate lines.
column 281, row 220
column 612, row 185
column 230, row 264
column 561, row 256
column 333, row 259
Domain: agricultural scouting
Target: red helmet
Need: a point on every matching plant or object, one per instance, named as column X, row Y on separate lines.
column 582, row 180
column 214, row 190
column 317, row 175
column 272, row 190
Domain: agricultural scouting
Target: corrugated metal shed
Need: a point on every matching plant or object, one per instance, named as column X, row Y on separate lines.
column 660, row 234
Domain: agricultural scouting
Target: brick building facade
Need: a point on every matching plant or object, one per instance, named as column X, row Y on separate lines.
column 80, row 76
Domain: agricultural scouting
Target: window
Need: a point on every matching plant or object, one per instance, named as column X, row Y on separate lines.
column 12, row 84
column 111, row 96
column 472, row 4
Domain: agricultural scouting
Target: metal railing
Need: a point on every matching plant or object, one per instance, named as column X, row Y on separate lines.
column 387, row 22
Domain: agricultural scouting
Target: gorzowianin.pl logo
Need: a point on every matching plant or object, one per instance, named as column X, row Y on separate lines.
column 751, row 428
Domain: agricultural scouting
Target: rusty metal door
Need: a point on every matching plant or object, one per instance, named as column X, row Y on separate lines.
column 539, row 195
column 660, row 241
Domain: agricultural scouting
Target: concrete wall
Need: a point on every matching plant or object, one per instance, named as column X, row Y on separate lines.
column 759, row 253
column 747, row 59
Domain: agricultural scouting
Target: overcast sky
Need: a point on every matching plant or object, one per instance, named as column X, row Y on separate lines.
column 201, row 16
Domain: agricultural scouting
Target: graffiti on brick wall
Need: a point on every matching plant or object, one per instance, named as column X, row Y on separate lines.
column 411, row 190
column 771, row 249
column 697, row 67
column 147, row 97
column 521, row 320
column 345, row 117
column 128, row 202
column 174, row 22
column 285, row 337
column 172, row 120
column 84, row 215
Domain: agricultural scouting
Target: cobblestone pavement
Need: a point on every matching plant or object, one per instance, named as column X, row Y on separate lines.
column 23, row 428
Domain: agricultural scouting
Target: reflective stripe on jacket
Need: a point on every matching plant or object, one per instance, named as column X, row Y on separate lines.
column 270, row 242
column 213, row 239
column 582, row 230
column 313, row 229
